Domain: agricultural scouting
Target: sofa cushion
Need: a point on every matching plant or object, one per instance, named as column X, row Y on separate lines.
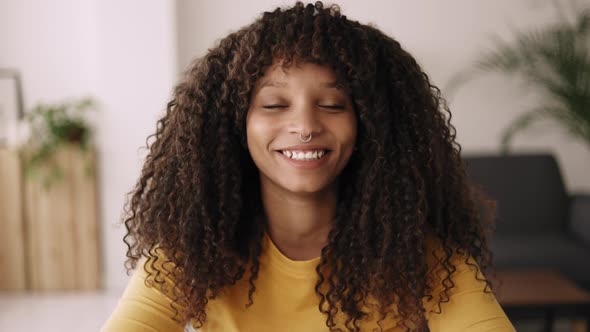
column 528, row 188
column 580, row 217
column 543, row 250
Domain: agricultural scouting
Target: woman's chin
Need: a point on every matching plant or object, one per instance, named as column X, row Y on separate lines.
column 306, row 187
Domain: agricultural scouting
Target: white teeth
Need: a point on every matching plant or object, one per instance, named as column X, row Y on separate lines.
column 309, row 155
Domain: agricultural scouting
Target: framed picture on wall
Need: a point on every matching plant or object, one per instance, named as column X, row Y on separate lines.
column 11, row 106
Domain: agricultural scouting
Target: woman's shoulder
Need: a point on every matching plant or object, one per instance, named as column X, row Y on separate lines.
column 441, row 253
column 148, row 301
column 461, row 299
column 157, row 264
column 451, row 265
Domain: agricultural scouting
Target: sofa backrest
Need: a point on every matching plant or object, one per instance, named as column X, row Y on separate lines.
column 528, row 189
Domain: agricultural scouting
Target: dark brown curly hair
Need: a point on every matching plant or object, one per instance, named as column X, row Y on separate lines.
column 198, row 196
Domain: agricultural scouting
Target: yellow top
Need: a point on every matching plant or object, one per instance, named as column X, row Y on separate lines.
column 285, row 300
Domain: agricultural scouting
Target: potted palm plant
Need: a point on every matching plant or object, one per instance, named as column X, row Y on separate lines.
column 554, row 60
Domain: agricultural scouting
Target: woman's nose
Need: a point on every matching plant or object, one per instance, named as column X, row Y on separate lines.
column 305, row 120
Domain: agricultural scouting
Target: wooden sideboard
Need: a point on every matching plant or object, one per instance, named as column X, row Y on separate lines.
column 55, row 237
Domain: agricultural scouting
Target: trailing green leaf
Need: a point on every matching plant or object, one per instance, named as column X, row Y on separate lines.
column 52, row 126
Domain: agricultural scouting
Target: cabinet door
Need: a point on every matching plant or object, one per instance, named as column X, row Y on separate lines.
column 12, row 239
column 62, row 223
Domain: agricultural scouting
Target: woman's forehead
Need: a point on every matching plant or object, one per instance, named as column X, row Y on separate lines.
column 278, row 75
column 316, row 82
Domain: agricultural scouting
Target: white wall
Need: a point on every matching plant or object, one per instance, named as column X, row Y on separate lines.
column 52, row 44
column 137, row 51
column 444, row 36
column 121, row 52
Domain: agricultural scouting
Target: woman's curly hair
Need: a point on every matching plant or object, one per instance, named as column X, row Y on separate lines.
column 198, row 197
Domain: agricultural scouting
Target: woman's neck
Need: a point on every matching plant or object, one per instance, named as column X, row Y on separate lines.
column 298, row 224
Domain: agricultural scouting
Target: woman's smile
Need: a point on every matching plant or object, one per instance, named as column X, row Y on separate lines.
column 309, row 159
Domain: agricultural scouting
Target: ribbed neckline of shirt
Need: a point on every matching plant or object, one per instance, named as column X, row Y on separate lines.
column 297, row 269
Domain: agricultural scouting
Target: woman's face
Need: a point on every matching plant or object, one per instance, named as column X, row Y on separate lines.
column 304, row 100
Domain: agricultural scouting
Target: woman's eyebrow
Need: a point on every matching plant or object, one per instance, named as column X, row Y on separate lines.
column 270, row 83
column 279, row 84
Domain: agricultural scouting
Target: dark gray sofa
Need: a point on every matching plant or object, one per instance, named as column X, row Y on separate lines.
column 539, row 224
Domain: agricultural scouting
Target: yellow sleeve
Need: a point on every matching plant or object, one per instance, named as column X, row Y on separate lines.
column 469, row 309
column 142, row 308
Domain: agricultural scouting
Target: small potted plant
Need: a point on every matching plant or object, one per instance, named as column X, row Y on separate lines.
column 54, row 126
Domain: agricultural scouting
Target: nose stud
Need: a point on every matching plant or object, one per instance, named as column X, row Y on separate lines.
column 306, row 140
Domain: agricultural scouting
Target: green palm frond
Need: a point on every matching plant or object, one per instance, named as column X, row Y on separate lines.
column 555, row 61
column 523, row 121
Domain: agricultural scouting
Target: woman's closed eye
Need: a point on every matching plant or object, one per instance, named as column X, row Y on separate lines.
column 274, row 106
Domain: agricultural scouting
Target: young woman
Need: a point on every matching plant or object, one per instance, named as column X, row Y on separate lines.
column 305, row 178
